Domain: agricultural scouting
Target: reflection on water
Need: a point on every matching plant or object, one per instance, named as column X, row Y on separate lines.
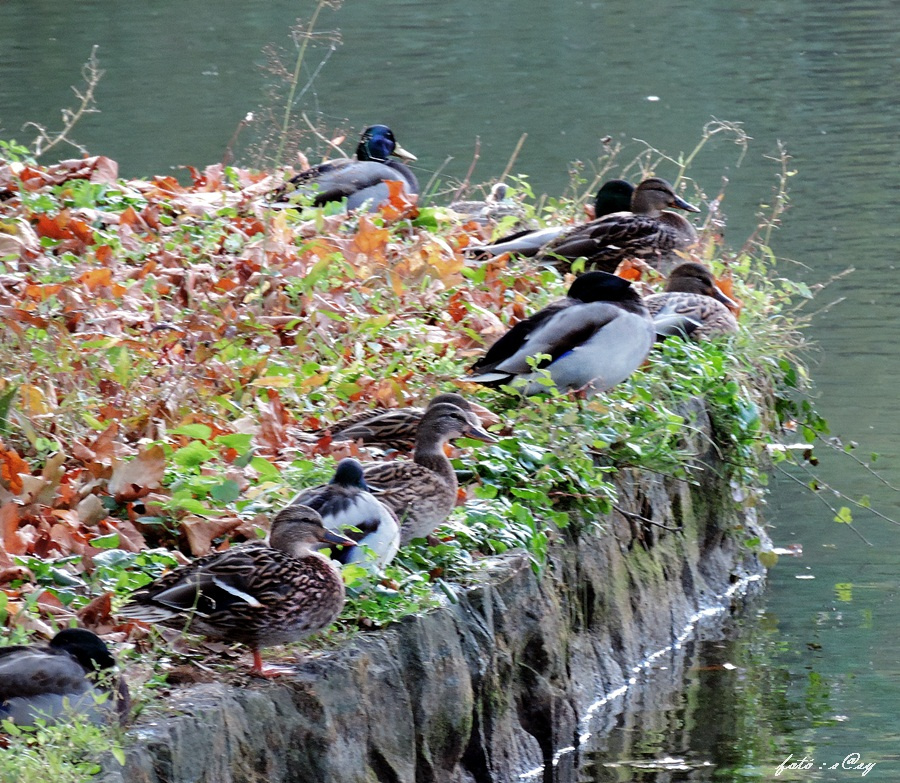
column 718, row 709
column 817, row 674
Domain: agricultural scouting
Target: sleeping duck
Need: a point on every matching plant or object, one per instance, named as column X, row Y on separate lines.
column 692, row 305
column 256, row 594
column 391, row 428
column 346, row 505
column 649, row 232
column 361, row 179
column 613, row 196
column 496, row 206
column 595, row 338
column 59, row 679
column 422, row 493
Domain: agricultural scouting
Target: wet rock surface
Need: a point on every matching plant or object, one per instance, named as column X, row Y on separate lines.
column 486, row 687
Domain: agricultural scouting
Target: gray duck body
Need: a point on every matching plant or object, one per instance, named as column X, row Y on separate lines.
column 595, row 338
column 346, row 505
column 55, row 681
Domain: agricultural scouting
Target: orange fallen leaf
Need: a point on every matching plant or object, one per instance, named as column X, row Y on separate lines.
column 11, row 468
column 9, row 523
column 370, row 240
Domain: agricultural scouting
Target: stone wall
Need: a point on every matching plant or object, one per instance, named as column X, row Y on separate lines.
column 486, row 687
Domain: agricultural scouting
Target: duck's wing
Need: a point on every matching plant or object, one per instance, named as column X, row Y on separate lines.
column 524, row 243
column 352, row 420
column 389, row 429
column 511, row 343
column 604, row 243
column 28, row 672
column 211, row 584
column 556, row 334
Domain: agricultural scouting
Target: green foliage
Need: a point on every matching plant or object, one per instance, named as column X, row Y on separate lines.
column 71, row 751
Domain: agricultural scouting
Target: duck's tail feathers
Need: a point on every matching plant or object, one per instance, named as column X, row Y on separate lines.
column 674, row 325
column 490, row 378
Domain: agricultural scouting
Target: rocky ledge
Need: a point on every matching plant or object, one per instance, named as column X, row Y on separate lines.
column 490, row 685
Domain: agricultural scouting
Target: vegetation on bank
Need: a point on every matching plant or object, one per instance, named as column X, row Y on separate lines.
column 164, row 345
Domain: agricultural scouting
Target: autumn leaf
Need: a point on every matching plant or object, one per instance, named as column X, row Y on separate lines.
column 11, row 468
column 726, row 286
column 134, row 479
column 370, row 240
column 9, row 522
column 201, row 532
column 399, row 204
column 97, row 611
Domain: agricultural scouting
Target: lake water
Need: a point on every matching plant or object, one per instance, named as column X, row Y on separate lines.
column 816, row 673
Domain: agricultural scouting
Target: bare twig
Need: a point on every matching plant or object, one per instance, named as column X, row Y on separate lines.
column 828, row 505
column 512, row 159
column 321, row 137
column 46, row 141
column 632, row 515
column 464, row 185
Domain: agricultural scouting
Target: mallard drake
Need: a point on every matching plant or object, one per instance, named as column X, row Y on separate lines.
column 59, row 679
column 346, row 505
column 649, row 232
column 692, row 305
column 422, row 493
column 595, row 337
column 360, row 180
column 614, row 196
column 256, row 594
column 390, row 428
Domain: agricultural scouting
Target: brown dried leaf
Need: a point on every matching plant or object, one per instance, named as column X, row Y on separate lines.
column 201, row 532
column 97, row 612
column 134, row 479
column 9, row 523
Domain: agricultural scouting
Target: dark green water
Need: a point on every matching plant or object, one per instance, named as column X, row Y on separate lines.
column 817, row 672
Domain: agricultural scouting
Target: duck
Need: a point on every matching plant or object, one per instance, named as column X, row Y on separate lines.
column 390, row 428
column 255, row 594
column 692, row 305
column 361, row 179
column 496, row 205
column 422, row 493
column 346, row 505
column 613, row 196
column 649, row 232
column 595, row 337
column 60, row 679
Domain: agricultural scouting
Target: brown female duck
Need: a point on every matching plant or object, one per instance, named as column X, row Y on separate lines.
column 692, row 305
column 649, row 232
column 391, row 428
column 422, row 493
column 256, row 594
